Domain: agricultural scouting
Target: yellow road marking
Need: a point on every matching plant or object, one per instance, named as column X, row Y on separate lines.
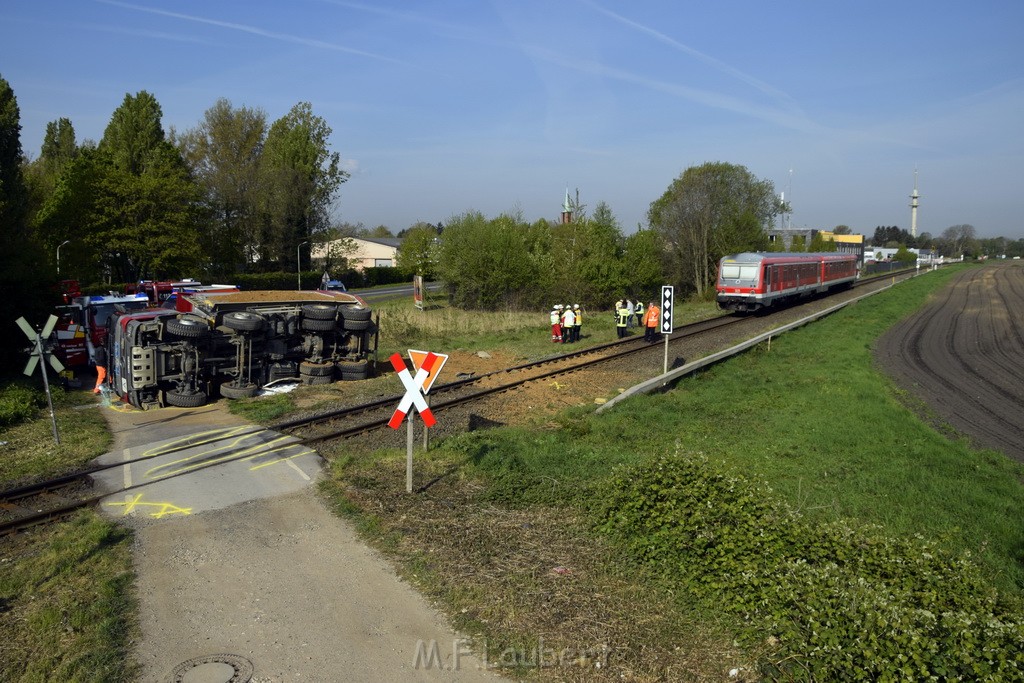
column 130, row 504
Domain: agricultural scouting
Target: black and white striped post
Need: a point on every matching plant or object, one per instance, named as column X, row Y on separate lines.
column 666, row 318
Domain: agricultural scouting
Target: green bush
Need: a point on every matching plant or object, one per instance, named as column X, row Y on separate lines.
column 834, row 601
column 19, row 403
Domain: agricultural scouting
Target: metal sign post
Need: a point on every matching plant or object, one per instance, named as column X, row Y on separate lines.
column 39, row 352
column 666, row 318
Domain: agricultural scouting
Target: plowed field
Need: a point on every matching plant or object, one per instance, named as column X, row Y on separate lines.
column 963, row 355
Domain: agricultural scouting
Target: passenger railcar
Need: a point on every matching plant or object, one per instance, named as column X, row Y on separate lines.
column 753, row 280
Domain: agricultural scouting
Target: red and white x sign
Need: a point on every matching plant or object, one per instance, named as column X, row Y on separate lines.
column 413, row 391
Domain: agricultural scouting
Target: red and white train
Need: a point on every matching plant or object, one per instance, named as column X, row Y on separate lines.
column 753, row 280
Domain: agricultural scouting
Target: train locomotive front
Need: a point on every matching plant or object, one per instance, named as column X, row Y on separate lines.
column 752, row 281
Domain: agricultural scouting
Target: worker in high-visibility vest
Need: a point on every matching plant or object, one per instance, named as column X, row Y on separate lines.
column 651, row 322
column 100, row 358
column 621, row 315
column 579, row 322
column 568, row 323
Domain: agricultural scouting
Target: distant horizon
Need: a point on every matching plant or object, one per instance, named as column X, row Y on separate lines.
column 446, row 107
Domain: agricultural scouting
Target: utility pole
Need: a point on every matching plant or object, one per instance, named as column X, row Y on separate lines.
column 298, row 262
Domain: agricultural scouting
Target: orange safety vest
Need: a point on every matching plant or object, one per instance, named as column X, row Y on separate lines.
column 651, row 317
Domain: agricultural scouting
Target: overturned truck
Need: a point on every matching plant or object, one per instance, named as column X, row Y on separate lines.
column 233, row 343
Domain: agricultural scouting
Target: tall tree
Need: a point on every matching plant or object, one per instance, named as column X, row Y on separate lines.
column 23, row 275
column 708, row 211
column 133, row 132
column 300, row 178
column 960, row 240
column 599, row 276
column 224, row 152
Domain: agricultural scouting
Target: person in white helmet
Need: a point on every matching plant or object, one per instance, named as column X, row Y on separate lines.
column 568, row 322
column 556, row 324
column 579, row 322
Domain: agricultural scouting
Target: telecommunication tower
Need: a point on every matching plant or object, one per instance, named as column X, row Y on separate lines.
column 913, row 208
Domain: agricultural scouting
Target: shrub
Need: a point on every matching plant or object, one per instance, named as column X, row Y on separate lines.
column 837, row 602
column 19, row 403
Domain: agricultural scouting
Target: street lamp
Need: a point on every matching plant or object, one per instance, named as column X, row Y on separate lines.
column 58, row 254
column 298, row 262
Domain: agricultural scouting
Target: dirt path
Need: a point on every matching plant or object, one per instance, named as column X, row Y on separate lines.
column 963, row 355
column 280, row 583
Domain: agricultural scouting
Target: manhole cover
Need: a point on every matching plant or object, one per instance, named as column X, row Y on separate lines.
column 213, row 669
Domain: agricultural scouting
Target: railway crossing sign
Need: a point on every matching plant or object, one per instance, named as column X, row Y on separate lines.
column 428, row 366
column 419, row 357
column 37, row 344
column 39, row 351
column 666, row 309
column 414, row 390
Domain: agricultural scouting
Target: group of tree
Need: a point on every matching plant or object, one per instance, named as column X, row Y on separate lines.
column 506, row 262
column 232, row 195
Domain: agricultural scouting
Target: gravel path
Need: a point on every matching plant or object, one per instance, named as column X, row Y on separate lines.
column 281, row 583
column 963, row 355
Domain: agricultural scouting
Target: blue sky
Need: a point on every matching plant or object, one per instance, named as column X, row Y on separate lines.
column 439, row 107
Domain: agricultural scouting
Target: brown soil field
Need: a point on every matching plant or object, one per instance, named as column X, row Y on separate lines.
column 962, row 355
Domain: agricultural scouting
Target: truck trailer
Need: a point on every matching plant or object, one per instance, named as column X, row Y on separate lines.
column 232, row 343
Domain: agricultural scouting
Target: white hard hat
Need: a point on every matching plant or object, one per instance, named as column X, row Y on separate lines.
column 575, row 305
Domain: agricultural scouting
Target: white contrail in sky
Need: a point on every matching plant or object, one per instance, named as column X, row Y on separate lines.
column 245, row 28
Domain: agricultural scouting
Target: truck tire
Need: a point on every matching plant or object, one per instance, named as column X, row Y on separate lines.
column 186, row 328
column 180, row 400
column 319, row 311
column 355, row 313
column 229, row 390
column 357, row 325
column 353, row 370
column 317, row 379
column 243, row 321
column 316, row 369
column 314, row 325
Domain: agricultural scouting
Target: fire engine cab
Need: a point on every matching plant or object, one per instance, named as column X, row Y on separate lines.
column 82, row 324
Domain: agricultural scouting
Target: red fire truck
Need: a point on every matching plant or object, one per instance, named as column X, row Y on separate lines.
column 82, row 322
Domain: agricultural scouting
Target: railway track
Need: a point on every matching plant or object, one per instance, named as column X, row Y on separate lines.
column 338, row 424
column 56, row 498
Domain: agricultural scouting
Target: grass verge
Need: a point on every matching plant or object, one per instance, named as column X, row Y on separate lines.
column 67, row 606
column 868, row 543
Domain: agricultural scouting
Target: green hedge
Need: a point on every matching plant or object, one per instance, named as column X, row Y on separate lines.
column 832, row 601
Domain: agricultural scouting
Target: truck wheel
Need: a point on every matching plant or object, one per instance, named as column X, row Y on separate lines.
column 243, row 321
column 357, row 325
column 314, row 325
column 316, row 369
column 319, row 311
column 186, row 328
column 356, row 313
column 228, row 390
column 179, row 400
column 352, row 370
column 317, row 379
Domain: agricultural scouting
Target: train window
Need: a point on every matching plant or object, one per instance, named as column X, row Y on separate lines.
column 738, row 272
